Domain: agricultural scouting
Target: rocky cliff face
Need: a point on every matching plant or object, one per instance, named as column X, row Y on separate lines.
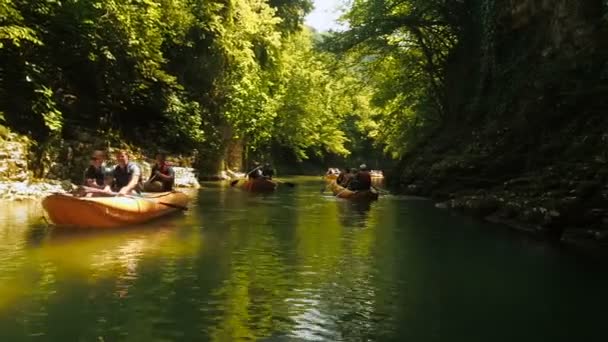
column 14, row 155
column 529, row 137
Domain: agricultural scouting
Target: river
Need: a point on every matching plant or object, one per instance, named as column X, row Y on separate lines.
column 296, row 265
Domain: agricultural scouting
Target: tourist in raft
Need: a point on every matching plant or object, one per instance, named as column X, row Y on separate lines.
column 256, row 172
column 267, row 171
column 127, row 175
column 94, row 174
column 362, row 181
column 162, row 177
column 342, row 176
column 349, row 178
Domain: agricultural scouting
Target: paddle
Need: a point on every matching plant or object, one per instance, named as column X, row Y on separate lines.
column 382, row 191
column 106, row 193
column 149, row 181
column 234, row 182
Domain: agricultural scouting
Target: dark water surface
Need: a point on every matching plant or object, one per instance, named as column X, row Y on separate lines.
column 294, row 266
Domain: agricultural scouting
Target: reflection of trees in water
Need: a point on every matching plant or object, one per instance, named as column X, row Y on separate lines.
column 16, row 215
column 274, row 264
column 256, row 233
column 353, row 213
column 105, row 263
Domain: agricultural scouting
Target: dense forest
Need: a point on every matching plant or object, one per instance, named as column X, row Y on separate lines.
column 482, row 100
column 179, row 75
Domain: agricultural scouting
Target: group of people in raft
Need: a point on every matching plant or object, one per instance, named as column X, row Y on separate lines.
column 126, row 177
column 355, row 179
column 261, row 171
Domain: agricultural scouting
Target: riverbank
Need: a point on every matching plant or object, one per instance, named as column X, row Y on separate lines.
column 561, row 196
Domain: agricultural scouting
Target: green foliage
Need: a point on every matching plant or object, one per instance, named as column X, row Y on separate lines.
column 194, row 74
column 11, row 26
column 402, row 47
column 183, row 120
column 291, row 12
column 45, row 106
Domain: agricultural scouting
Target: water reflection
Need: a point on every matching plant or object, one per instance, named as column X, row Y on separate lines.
column 353, row 213
column 293, row 265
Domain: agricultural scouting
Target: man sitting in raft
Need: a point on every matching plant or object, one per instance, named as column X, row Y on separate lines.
column 342, row 176
column 349, row 178
column 267, row 171
column 162, row 177
column 362, row 181
column 94, row 174
column 256, row 172
column 127, row 175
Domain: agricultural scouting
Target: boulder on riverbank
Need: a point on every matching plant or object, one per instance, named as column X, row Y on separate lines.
column 19, row 191
column 565, row 202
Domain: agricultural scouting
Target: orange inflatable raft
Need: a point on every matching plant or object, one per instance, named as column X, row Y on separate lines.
column 110, row 212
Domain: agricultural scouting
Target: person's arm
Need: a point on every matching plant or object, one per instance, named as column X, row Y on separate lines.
column 108, row 181
column 255, row 170
column 153, row 173
column 132, row 182
column 89, row 178
column 168, row 177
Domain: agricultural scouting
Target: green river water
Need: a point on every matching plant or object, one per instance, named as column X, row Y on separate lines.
column 294, row 266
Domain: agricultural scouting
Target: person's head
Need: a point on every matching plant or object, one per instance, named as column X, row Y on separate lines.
column 122, row 157
column 97, row 158
column 363, row 167
column 353, row 170
column 267, row 165
column 161, row 158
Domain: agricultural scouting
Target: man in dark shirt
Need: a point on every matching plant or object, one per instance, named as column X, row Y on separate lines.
column 94, row 174
column 268, row 171
column 256, row 172
column 362, row 180
column 162, row 177
column 127, row 175
column 344, row 174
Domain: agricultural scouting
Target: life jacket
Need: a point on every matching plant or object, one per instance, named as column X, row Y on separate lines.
column 122, row 176
column 164, row 169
